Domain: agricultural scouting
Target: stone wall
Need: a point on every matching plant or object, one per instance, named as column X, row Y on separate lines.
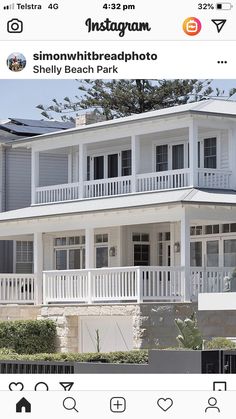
column 153, row 324
column 19, row 312
column 67, row 320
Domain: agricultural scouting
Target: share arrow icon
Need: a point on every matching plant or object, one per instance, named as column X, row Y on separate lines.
column 67, row 386
column 220, row 23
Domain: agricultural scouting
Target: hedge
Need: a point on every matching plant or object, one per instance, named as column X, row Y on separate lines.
column 132, row 357
column 29, row 336
column 220, row 343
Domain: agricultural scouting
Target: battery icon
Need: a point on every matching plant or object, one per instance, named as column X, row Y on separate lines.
column 224, row 6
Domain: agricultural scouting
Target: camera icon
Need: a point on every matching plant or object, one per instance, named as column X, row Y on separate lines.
column 15, row 26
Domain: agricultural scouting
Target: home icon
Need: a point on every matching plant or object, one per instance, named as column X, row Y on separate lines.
column 23, row 406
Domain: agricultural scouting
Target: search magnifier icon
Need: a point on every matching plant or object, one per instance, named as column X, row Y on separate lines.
column 69, row 403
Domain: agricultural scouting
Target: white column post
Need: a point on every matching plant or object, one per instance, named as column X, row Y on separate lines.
column 38, row 267
column 185, row 255
column 232, row 155
column 70, row 163
column 135, row 147
column 82, row 168
column 89, row 260
column 193, row 153
column 139, row 285
column 34, row 175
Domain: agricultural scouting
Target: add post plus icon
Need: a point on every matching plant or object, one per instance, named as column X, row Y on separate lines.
column 220, row 23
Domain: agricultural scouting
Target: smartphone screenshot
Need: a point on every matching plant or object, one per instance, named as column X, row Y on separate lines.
column 117, row 209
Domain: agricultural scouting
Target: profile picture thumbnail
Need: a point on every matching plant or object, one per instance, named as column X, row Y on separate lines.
column 16, row 61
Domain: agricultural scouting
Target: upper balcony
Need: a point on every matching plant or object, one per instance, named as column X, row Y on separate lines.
column 146, row 163
column 134, row 155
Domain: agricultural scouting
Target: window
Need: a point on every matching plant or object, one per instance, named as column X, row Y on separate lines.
column 229, row 228
column 163, row 249
column 139, row 237
column 213, row 253
column 101, row 238
column 112, row 165
column 101, row 256
column 195, row 230
column 24, row 257
column 177, row 157
column 198, row 154
column 101, row 241
column 88, row 168
column 212, row 229
column 69, row 241
column 98, row 167
column 196, row 254
column 210, row 153
column 69, row 252
column 126, row 164
column 141, row 254
column 230, row 253
column 161, row 158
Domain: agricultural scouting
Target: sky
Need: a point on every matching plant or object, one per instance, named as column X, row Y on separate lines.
column 19, row 98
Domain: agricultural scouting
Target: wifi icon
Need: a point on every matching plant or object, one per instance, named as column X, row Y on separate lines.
column 9, row 6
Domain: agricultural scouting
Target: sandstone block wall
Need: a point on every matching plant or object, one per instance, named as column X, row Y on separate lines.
column 153, row 324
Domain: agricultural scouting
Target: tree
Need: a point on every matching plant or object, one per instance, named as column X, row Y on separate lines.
column 190, row 336
column 117, row 98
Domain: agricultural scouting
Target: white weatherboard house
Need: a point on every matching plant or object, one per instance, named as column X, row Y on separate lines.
column 135, row 223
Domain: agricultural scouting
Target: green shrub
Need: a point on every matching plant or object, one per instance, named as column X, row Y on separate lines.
column 132, row 357
column 7, row 351
column 220, row 343
column 28, row 337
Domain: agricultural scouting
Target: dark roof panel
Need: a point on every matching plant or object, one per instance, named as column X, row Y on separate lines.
column 43, row 124
column 26, row 130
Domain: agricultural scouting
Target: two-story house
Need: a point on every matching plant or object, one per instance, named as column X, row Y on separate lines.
column 138, row 221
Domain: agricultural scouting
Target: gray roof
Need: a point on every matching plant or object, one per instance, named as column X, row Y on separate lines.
column 174, row 196
column 214, row 107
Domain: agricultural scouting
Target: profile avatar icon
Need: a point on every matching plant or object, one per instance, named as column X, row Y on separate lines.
column 16, row 62
column 212, row 402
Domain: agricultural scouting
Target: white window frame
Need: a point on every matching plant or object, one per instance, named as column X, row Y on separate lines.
column 105, row 155
column 170, row 143
column 67, row 247
column 15, row 262
column 201, row 139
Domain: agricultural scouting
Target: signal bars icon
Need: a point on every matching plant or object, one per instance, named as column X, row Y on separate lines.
column 9, row 6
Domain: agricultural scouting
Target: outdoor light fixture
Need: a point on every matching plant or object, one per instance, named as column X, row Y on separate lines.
column 112, row 251
column 177, row 247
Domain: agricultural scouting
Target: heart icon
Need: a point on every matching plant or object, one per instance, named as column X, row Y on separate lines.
column 16, row 386
column 165, row 404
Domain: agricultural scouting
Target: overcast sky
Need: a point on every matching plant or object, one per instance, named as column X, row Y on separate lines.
column 19, row 98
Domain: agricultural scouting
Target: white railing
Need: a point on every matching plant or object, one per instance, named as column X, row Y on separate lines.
column 65, row 286
column 17, row 288
column 213, row 178
column 161, row 283
column 210, row 280
column 57, row 193
column 113, row 285
column 107, row 187
column 163, row 180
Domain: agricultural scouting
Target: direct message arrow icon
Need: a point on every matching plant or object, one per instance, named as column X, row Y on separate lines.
column 67, row 386
column 220, row 23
